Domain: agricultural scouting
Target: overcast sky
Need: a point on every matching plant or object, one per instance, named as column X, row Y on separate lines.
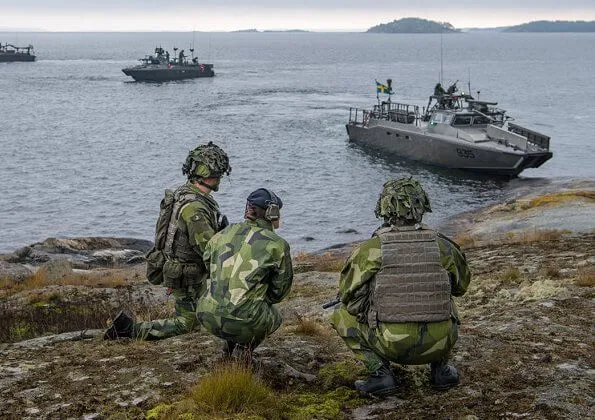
column 314, row 15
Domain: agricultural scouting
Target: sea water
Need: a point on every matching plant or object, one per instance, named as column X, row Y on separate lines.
column 85, row 151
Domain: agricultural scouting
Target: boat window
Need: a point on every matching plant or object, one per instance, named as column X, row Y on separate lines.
column 440, row 118
column 481, row 120
column 462, row 120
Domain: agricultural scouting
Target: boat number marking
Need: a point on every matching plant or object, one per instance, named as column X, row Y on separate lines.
column 465, row 153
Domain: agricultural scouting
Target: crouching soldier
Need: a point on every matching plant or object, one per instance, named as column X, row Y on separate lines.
column 250, row 270
column 396, row 293
column 188, row 218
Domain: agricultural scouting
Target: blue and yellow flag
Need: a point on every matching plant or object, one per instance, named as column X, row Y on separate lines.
column 380, row 88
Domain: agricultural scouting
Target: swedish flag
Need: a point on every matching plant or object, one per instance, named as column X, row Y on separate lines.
column 380, row 88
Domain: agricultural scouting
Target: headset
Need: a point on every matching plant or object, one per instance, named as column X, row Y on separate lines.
column 272, row 212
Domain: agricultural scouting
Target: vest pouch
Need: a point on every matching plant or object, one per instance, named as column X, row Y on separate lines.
column 173, row 274
column 193, row 274
column 155, row 261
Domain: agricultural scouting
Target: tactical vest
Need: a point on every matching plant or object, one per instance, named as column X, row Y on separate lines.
column 411, row 285
column 183, row 266
column 177, row 243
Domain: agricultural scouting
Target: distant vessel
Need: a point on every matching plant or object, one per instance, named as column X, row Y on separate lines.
column 10, row 53
column 455, row 131
column 162, row 68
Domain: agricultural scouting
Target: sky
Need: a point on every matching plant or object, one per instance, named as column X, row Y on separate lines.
column 312, row 15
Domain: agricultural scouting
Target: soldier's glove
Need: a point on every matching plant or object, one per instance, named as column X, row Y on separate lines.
column 222, row 222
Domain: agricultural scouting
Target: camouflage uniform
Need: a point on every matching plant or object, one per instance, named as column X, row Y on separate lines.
column 250, row 270
column 197, row 222
column 404, row 343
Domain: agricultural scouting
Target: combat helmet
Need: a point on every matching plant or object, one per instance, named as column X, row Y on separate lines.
column 206, row 161
column 402, row 200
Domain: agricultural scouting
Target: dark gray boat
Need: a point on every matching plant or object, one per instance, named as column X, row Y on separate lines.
column 10, row 53
column 163, row 68
column 454, row 131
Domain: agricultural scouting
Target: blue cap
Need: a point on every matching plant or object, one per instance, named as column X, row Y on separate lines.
column 263, row 197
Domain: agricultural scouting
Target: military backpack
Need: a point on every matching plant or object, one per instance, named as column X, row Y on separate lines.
column 165, row 230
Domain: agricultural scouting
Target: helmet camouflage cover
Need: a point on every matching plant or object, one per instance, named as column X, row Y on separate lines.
column 402, row 199
column 206, row 161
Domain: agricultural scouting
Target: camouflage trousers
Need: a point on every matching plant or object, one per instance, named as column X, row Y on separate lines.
column 184, row 321
column 404, row 343
column 245, row 329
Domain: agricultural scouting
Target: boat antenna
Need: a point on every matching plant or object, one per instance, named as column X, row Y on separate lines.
column 469, row 80
column 192, row 47
column 441, row 57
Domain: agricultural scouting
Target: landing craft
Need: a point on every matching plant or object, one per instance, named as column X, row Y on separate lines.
column 455, row 131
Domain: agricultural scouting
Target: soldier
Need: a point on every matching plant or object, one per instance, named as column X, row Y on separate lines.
column 396, row 293
column 250, row 270
column 187, row 221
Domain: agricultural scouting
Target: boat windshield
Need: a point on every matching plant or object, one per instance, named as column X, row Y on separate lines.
column 462, row 120
column 441, row 118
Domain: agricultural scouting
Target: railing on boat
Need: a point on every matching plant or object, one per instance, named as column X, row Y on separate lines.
column 402, row 113
column 533, row 137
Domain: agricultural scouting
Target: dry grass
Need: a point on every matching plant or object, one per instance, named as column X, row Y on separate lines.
column 556, row 198
column 309, row 326
column 467, row 240
column 586, row 276
column 325, row 262
column 97, row 278
column 537, row 235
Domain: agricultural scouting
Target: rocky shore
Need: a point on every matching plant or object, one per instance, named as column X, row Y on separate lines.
column 526, row 347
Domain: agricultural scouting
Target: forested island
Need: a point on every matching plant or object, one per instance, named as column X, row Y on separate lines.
column 553, row 26
column 413, row 26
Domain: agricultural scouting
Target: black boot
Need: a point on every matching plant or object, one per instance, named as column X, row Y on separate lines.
column 228, row 348
column 121, row 327
column 381, row 382
column 443, row 375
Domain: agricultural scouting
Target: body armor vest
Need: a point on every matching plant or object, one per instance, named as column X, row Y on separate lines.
column 411, row 285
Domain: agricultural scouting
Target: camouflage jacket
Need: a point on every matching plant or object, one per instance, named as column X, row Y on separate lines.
column 366, row 260
column 250, row 266
column 197, row 224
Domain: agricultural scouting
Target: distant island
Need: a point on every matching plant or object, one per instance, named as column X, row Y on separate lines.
column 271, row 30
column 413, row 26
column 554, row 26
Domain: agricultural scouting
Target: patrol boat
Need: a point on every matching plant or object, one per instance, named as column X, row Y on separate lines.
column 454, row 131
column 160, row 67
column 10, row 53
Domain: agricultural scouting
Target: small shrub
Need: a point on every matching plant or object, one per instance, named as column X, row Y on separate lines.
column 231, row 391
column 552, row 270
column 511, row 275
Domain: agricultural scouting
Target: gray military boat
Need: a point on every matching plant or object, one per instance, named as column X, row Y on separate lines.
column 163, row 68
column 10, row 53
column 454, row 131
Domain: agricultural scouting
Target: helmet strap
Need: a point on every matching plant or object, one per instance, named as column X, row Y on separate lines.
column 214, row 187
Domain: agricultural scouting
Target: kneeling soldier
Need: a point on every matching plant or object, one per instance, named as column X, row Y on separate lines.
column 250, row 270
column 396, row 293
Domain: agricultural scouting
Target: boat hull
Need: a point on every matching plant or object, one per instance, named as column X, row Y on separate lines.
column 165, row 74
column 11, row 58
column 444, row 151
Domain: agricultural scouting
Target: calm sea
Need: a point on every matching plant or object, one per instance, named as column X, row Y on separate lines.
column 85, row 151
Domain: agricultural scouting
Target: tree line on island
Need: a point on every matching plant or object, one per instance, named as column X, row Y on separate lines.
column 424, row 26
